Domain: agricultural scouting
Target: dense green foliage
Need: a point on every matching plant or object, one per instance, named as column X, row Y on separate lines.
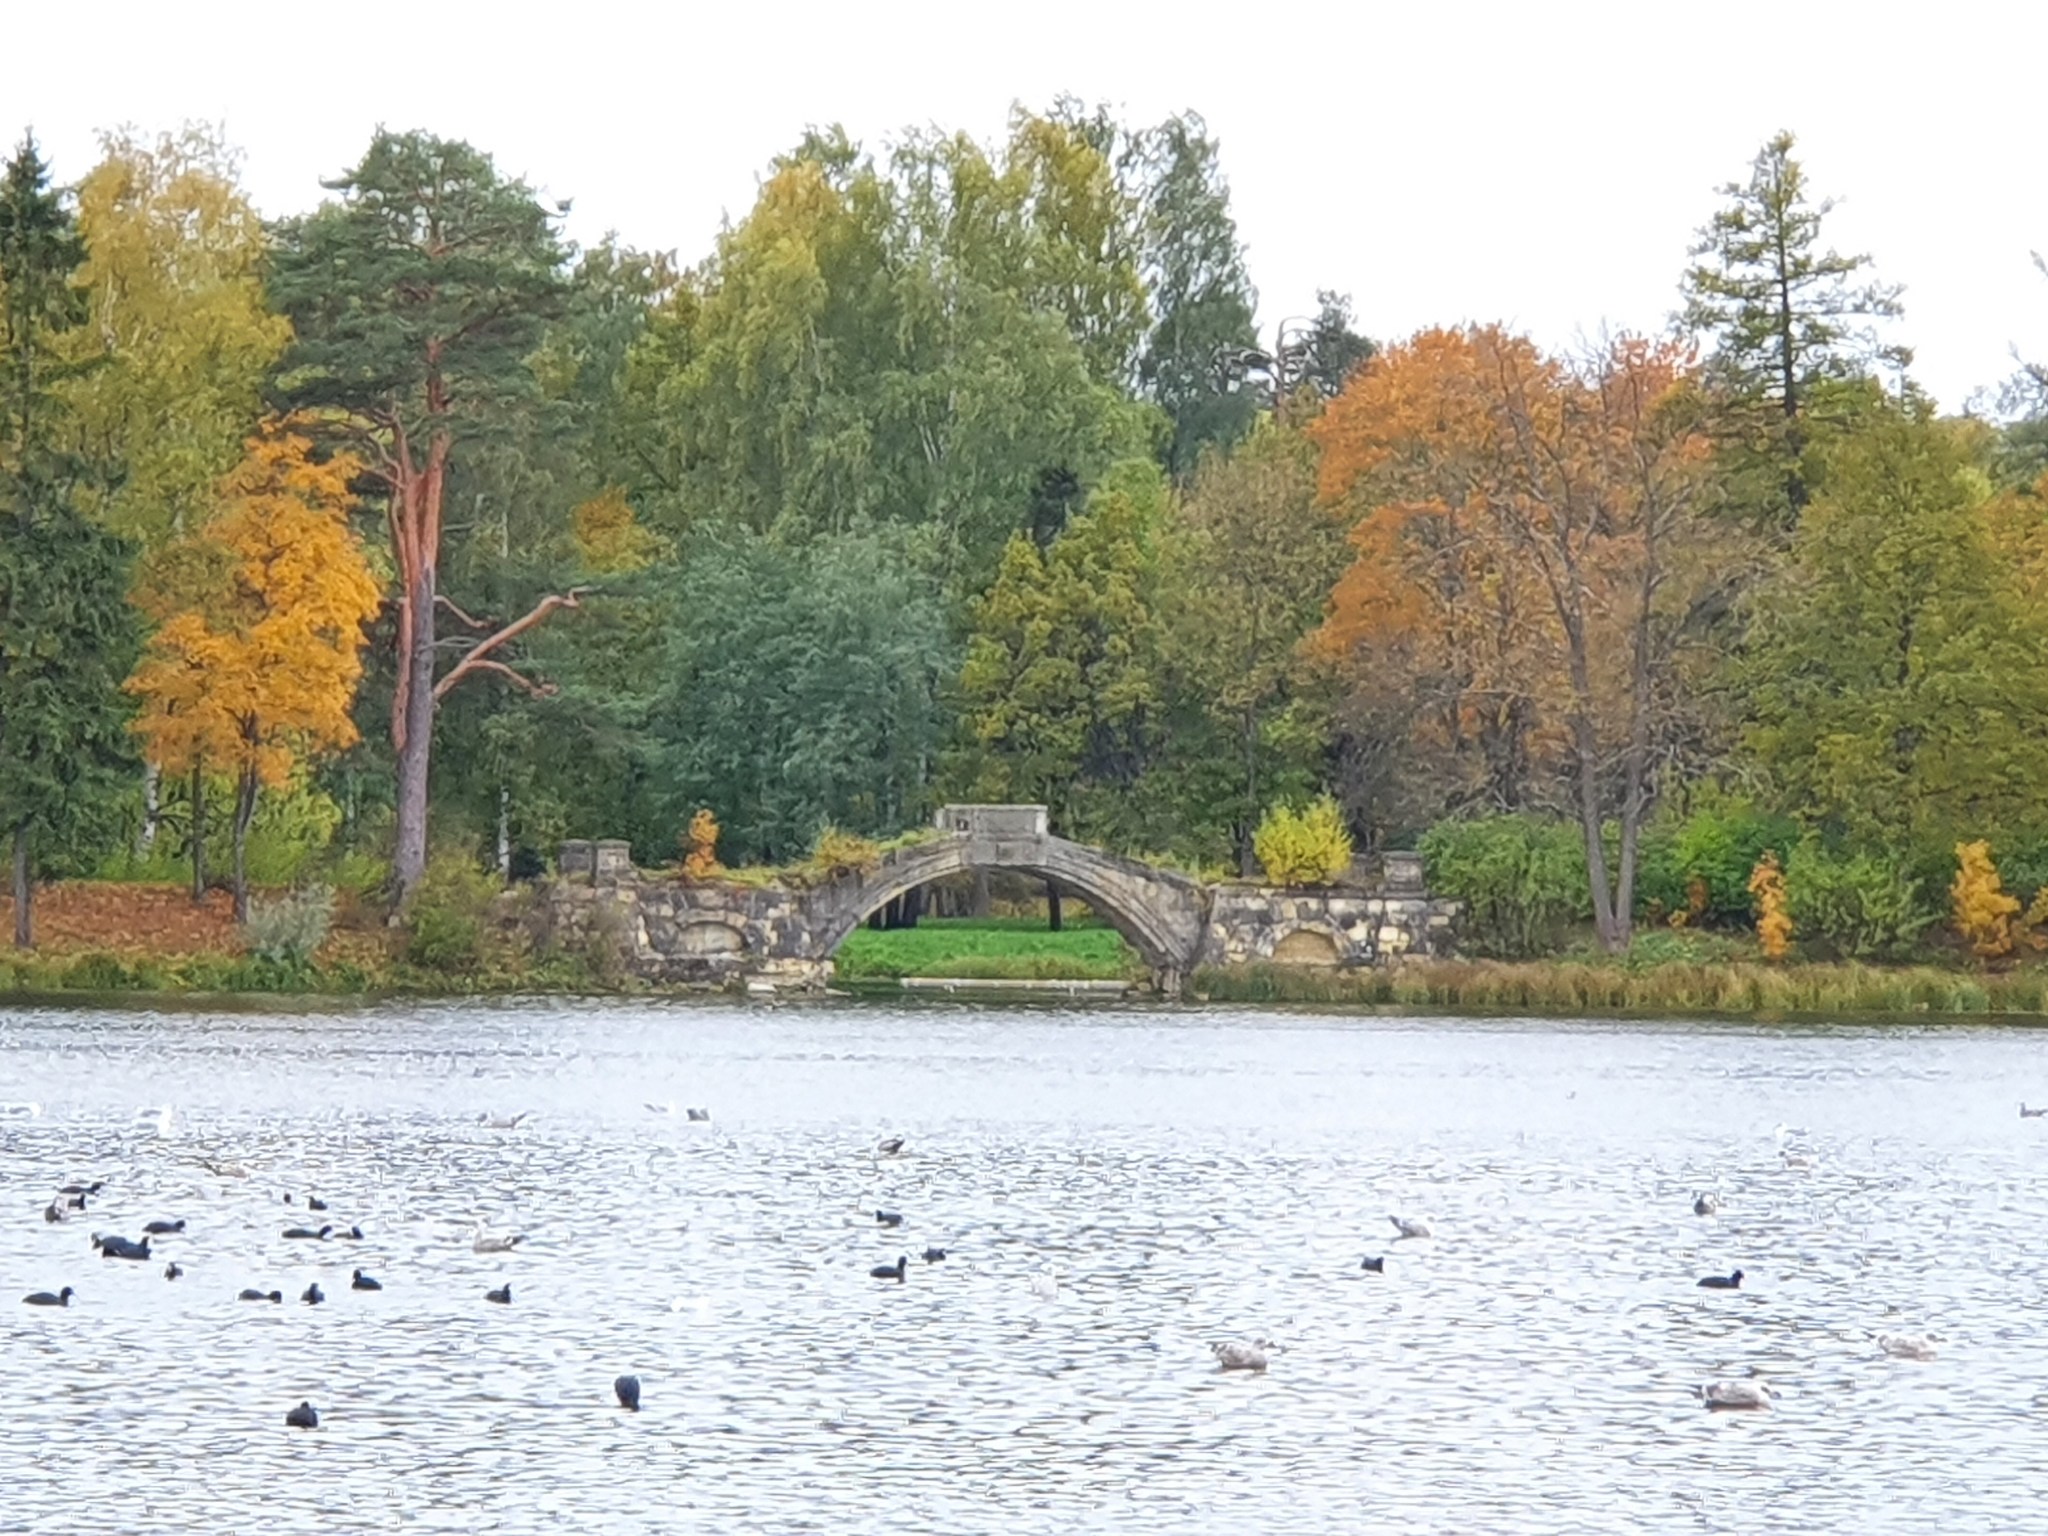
column 799, row 687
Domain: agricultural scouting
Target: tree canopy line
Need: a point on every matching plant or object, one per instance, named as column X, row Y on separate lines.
column 959, row 470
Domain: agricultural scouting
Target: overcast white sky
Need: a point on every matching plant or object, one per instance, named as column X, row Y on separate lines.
column 1541, row 164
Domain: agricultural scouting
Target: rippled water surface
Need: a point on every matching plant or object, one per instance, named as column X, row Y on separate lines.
column 1190, row 1176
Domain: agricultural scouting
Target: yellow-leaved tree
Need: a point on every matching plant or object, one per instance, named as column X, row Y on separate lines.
column 1982, row 909
column 259, row 671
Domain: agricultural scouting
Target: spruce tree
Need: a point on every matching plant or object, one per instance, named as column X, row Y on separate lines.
column 67, row 634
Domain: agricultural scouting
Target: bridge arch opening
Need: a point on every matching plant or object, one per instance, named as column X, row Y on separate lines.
column 1098, row 879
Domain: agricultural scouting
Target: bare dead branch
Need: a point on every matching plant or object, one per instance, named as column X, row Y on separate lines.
column 539, row 689
column 443, row 601
column 476, row 660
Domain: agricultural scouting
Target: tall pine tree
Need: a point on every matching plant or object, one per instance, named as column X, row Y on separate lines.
column 1783, row 319
column 417, row 301
column 67, row 634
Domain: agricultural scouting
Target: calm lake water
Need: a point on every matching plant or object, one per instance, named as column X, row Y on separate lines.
column 1191, row 1175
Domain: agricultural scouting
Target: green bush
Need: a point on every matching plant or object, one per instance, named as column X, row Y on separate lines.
column 289, row 837
column 290, row 930
column 361, row 877
column 1720, row 842
column 1857, row 907
column 292, row 830
column 447, row 916
column 1522, row 880
column 2024, row 869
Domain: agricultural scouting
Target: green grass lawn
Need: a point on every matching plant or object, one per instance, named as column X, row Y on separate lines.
column 999, row 948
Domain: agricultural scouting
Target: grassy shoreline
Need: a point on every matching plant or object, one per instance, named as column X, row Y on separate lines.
column 1563, row 987
column 1446, row 988
column 360, row 968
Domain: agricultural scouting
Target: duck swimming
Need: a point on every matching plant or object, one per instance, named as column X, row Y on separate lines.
column 895, row 1271
column 1735, row 1394
column 889, row 1218
column 173, row 1270
column 164, row 1228
column 502, row 1295
column 312, row 1296
column 484, row 1242
column 1705, row 1205
column 1376, row 1266
column 628, row 1389
column 889, row 1146
column 49, row 1298
column 700, row 1116
column 305, row 1416
column 121, row 1248
column 934, row 1255
column 1907, row 1346
column 252, row 1294
column 1409, row 1226
column 307, row 1232
column 363, row 1282
column 1240, row 1354
column 1727, row 1282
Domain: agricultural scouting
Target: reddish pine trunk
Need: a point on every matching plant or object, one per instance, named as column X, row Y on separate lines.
column 413, row 727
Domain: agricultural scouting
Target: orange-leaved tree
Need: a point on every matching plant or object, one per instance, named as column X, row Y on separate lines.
column 261, row 669
column 1435, row 625
column 1773, row 914
column 1535, row 542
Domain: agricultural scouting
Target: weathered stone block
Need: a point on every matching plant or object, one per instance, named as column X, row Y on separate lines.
column 992, row 821
column 1403, row 871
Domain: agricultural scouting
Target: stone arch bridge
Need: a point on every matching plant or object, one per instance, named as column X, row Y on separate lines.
column 698, row 932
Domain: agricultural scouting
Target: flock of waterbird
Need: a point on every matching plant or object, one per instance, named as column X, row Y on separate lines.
column 1252, row 1355
column 1737, row 1394
column 73, row 1200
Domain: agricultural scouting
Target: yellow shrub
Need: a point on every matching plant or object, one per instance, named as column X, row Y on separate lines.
column 1308, row 847
column 1983, row 911
column 2032, row 920
column 1773, row 921
column 700, row 861
column 837, row 853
